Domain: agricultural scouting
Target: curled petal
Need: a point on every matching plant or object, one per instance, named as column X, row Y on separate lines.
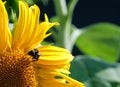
column 51, row 78
column 63, row 68
column 51, row 55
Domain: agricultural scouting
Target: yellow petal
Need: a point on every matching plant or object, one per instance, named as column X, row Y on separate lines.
column 28, row 32
column 51, row 55
column 27, row 22
column 40, row 34
column 63, row 68
column 5, row 35
column 51, row 78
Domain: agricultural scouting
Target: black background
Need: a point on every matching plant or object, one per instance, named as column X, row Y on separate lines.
column 89, row 11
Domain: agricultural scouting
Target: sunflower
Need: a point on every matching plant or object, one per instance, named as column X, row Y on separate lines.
column 22, row 62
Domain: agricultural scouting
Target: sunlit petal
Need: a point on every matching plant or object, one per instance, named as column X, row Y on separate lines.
column 51, row 78
column 28, row 32
column 51, row 55
column 5, row 35
column 63, row 68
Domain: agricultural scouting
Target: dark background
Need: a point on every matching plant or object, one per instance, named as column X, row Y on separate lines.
column 92, row 11
column 88, row 12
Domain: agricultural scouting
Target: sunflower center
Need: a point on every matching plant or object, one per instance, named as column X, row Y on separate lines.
column 16, row 70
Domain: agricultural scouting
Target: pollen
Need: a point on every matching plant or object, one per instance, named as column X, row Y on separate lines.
column 16, row 70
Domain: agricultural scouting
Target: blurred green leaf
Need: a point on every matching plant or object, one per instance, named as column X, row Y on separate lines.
column 101, row 40
column 11, row 4
column 46, row 43
column 12, row 9
column 94, row 72
column 30, row 2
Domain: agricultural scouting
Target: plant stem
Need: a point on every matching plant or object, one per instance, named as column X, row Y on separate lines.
column 65, row 16
column 61, row 10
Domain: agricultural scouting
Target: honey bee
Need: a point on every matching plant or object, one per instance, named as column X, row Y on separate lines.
column 34, row 53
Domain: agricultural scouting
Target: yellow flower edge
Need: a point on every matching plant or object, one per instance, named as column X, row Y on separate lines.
column 17, row 68
column 53, row 78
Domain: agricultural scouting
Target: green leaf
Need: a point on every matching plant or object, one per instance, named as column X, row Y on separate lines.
column 94, row 72
column 30, row 2
column 100, row 40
